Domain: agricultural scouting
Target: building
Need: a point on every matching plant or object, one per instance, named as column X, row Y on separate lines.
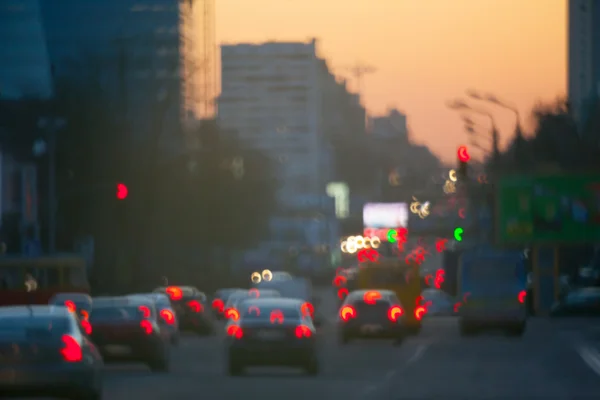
column 280, row 98
column 25, row 67
column 390, row 126
column 130, row 47
column 583, row 56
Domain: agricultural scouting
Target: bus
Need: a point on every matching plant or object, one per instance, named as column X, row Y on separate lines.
column 401, row 278
column 52, row 274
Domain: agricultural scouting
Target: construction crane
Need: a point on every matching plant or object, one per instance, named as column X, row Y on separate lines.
column 358, row 71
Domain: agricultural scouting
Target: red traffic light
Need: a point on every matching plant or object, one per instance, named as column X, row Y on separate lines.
column 122, row 191
column 463, row 154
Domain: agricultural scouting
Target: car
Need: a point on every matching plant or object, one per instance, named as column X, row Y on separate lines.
column 271, row 332
column 44, row 353
column 231, row 308
column 582, row 302
column 126, row 329
column 190, row 307
column 371, row 314
column 80, row 303
column 167, row 318
column 219, row 300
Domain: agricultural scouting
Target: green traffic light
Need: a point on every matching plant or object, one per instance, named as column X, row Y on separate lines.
column 458, row 232
column 392, row 236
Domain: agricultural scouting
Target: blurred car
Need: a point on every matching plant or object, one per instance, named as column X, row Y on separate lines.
column 219, row 300
column 80, row 303
column 190, row 307
column 583, row 302
column 43, row 352
column 231, row 308
column 438, row 303
column 126, row 329
column 167, row 318
column 371, row 314
column 271, row 332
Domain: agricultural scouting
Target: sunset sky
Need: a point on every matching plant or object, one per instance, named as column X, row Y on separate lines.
column 426, row 52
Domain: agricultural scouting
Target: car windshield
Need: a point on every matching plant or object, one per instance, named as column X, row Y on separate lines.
column 126, row 313
column 36, row 327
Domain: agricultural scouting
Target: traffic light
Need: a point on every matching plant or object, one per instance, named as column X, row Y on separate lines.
column 122, row 191
column 463, row 162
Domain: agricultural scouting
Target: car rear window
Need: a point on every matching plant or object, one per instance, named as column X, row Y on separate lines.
column 258, row 312
column 125, row 313
column 31, row 328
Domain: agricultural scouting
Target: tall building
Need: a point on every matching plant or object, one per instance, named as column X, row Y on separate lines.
column 583, row 56
column 276, row 97
column 130, row 47
column 24, row 64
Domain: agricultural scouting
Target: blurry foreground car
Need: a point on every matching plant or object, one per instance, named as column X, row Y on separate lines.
column 219, row 300
column 126, row 329
column 271, row 332
column 43, row 352
column 79, row 303
column 190, row 307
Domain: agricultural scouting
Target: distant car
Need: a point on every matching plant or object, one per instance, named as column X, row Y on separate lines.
column 44, row 353
column 220, row 298
column 271, row 331
column 80, row 303
column 583, row 302
column 371, row 314
column 191, row 308
column 126, row 329
column 167, row 318
column 231, row 308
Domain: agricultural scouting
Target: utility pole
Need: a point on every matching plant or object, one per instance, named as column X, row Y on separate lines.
column 358, row 71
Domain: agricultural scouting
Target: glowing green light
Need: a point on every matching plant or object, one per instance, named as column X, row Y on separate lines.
column 458, row 232
column 392, row 236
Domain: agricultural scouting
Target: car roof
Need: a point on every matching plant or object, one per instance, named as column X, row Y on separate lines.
column 35, row 311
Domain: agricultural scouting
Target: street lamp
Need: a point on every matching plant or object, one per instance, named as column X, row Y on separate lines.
column 459, row 104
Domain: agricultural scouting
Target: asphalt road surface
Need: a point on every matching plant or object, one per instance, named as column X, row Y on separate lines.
column 554, row 360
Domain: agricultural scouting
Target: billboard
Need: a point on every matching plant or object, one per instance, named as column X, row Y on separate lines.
column 548, row 209
column 378, row 218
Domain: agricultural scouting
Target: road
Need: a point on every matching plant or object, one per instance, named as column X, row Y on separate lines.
column 553, row 360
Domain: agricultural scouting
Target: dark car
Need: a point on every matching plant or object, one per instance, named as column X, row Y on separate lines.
column 220, row 299
column 80, row 303
column 231, row 307
column 190, row 306
column 371, row 314
column 271, row 332
column 167, row 318
column 44, row 353
column 127, row 330
column 583, row 302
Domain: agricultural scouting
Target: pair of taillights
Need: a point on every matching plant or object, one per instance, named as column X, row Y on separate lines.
column 394, row 313
column 301, row 332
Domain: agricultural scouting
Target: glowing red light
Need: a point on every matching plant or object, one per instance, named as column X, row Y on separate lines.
column 522, row 296
column 122, row 191
column 339, row 281
column 168, row 316
column 71, row 352
column 232, row 314
column 254, row 309
column 174, row 292
column 218, row 305
column 307, row 310
column 394, row 313
column 195, row 306
column 87, row 327
column 303, row 332
column 461, row 213
column 276, row 316
column 254, row 293
column 457, row 306
column 419, row 312
column 70, row 306
column 235, row 331
column 365, row 255
column 428, row 279
column 371, row 297
column 347, row 312
column 463, row 154
column 146, row 326
column 342, row 293
column 419, row 300
column 440, row 245
column 145, row 311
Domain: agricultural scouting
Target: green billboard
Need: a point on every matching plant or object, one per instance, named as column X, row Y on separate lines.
column 559, row 209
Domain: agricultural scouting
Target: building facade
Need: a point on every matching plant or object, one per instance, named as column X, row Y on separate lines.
column 280, row 98
column 130, row 47
column 583, row 56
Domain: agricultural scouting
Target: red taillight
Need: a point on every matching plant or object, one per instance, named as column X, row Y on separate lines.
column 522, row 296
column 419, row 312
column 70, row 306
column 195, row 306
column 232, row 314
column 87, row 327
column 394, row 313
column 146, row 326
column 145, row 311
column 218, row 305
column 174, row 292
column 347, row 312
column 235, row 331
column 307, row 309
column 168, row 316
column 71, row 352
column 303, row 331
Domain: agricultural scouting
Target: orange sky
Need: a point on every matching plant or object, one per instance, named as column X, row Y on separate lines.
column 425, row 51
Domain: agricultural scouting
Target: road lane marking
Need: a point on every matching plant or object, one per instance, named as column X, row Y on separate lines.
column 418, row 353
column 591, row 357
